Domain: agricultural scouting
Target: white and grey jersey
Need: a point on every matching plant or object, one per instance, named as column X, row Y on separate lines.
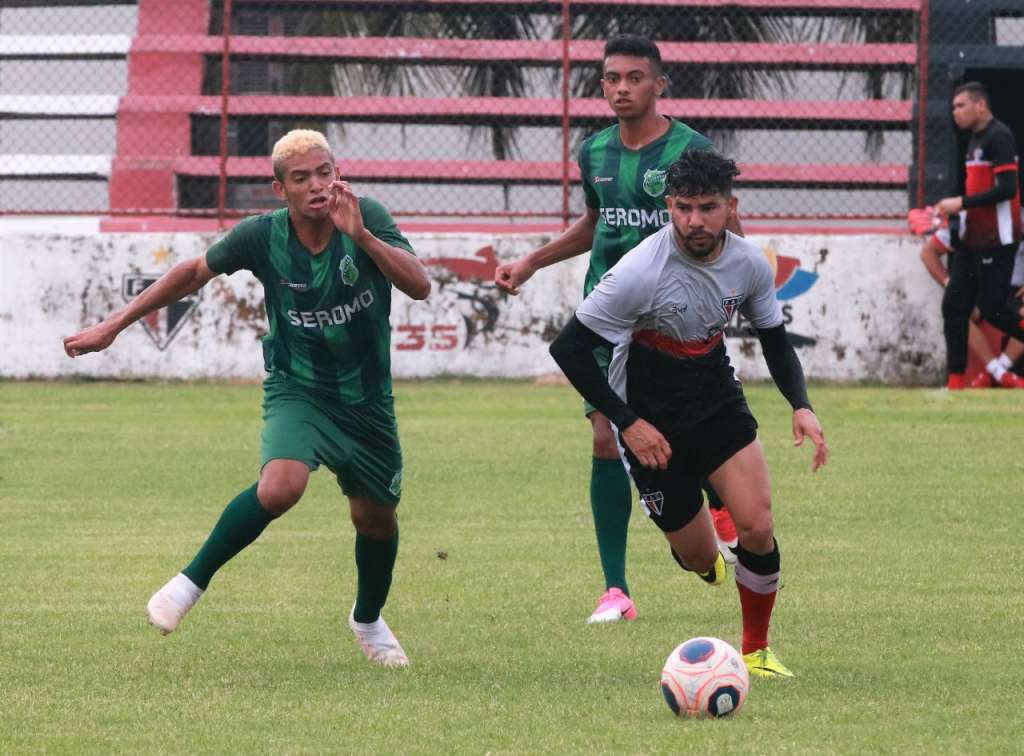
column 666, row 314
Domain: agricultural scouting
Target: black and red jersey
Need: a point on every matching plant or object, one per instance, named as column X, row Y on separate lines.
column 990, row 152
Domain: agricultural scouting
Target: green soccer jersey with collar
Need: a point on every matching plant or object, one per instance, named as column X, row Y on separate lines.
column 627, row 187
column 328, row 313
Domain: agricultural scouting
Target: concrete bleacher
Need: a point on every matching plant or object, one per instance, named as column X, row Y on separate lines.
column 156, row 115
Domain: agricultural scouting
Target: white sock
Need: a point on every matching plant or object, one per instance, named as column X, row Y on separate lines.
column 996, row 369
column 1005, row 361
column 183, row 591
column 377, row 626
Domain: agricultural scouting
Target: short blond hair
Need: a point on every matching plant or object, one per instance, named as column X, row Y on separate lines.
column 296, row 142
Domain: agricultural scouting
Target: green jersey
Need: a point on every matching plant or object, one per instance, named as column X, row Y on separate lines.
column 328, row 313
column 627, row 187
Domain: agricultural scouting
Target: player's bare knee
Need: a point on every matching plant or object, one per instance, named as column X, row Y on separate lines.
column 757, row 534
column 375, row 521
column 703, row 560
column 279, row 493
column 605, row 446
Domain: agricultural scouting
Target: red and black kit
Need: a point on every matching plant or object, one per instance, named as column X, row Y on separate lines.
column 981, row 263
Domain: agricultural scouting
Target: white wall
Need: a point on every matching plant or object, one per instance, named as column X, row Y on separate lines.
column 871, row 313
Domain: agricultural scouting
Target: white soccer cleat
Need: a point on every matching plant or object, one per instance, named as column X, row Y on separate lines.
column 378, row 642
column 170, row 604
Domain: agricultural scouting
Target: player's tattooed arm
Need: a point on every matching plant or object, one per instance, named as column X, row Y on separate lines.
column 399, row 266
column 576, row 240
column 183, row 279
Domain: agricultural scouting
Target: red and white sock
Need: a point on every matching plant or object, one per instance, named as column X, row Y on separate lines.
column 757, row 579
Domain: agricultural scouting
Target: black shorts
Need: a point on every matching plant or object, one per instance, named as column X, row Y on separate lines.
column 672, row 497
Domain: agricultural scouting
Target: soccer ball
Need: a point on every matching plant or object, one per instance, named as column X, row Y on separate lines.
column 704, row 677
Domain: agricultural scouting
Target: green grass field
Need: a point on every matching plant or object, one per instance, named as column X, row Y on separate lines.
column 901, row 610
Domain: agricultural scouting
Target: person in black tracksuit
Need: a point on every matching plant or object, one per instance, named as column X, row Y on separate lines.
column 989, row 210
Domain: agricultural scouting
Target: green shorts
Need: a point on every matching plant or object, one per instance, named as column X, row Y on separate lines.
column 604, row 359
column 358, row 443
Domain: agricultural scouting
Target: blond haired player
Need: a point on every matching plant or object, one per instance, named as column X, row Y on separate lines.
column 327, row 262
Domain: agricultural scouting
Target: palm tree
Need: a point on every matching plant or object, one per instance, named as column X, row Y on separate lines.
column 871, row 29
column 408, row 79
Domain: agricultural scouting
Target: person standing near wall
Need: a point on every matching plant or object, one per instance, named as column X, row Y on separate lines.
column 937, row 246
column 981, row 265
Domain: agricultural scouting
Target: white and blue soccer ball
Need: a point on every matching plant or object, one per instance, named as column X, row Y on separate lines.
column 704, row 677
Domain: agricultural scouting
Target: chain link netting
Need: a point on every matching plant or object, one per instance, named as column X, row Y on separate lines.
column 460, row 109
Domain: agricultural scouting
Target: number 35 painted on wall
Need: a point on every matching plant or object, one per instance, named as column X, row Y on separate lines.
column 439, row 338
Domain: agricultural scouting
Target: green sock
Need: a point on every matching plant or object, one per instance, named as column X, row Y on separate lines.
column 239, row 525
column 375, row 562
column 611, row 500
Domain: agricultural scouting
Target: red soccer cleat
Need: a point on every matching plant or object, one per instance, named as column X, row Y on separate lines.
column 982, row 380
column 956, row 382
column 725, row 533
column 1011, row 380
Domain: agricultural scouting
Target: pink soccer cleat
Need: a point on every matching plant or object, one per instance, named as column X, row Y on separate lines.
column 613, row 606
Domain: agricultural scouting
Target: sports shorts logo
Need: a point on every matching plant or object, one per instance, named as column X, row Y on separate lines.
column 163, row 325
column 396, row 484
column 654, row 501
column 349, row 271
column 654, row 182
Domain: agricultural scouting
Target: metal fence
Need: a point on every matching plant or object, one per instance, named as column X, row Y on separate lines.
column 461, row 108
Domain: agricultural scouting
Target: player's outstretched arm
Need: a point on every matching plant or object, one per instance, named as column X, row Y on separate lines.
column 183, row 279
column 785, row 369
column 399, row 266
column 576, row 240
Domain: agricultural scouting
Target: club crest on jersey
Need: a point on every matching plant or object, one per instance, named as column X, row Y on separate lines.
column 654, row 182
column 654, row 501
column 349, row 271
column 729, row 305
column 163, row 325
